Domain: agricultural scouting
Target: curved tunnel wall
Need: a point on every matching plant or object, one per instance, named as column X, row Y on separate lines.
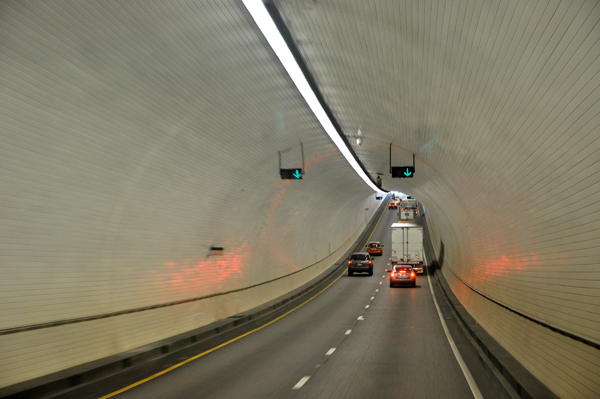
column 134, row 137
column 500, row 103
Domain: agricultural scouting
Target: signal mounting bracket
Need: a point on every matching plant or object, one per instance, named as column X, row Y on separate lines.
column 402, row 171
column 294, row 173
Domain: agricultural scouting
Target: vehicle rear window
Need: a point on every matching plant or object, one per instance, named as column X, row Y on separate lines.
column 373, row 245
column 406, row 269
column 358, row 257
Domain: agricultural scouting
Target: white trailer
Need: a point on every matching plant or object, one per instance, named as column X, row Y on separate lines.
column 407, row 244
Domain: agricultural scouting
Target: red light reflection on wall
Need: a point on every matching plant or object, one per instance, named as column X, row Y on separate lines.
column 513, row 262
column 316, row 159
column 507, row 265
column 209, row 274
column 273, row 236
column 274, row 229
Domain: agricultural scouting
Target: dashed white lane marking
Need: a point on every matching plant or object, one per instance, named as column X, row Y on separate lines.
column 381, row 282
column 330, row 352
column 348, row 332
column 377, row 290
column 301, row 383
column 372, row 297
column 360, row 318
column 367, row 307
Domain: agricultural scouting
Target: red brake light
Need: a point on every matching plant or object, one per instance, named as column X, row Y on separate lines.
column 393, row 275
column 402, row 271
column 368, row 262
column 349, row 262
column 412, row 274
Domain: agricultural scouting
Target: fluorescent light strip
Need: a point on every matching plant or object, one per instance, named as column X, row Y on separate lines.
column 261, row 16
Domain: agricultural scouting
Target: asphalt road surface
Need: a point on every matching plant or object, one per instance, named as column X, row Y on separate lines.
column 357, row 339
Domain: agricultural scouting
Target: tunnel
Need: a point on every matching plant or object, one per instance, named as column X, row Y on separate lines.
column 143, row 143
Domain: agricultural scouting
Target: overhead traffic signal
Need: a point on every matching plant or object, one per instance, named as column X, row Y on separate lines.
column 293, row 174
column 403, row 171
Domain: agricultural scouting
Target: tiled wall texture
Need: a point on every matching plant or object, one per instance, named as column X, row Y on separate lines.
column 133, row 136
column 500, row 103
column 136, row 134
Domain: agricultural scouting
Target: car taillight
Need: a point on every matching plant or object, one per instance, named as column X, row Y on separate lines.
column 349, row 262
column 368, row 262
column 393, row 275
column 412, row 274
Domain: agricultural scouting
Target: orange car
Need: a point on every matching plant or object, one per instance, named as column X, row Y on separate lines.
column 374, row 248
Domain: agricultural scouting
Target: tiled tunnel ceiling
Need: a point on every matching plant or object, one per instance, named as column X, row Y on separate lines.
column 464, row 85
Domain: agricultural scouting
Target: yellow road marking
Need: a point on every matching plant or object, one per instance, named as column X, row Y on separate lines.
column 218, row 346
column 127, row 388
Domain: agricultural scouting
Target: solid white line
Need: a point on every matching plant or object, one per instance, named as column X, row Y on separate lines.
column 459, row 359
column 348, row 332
column 330, row 352
column 301, row 383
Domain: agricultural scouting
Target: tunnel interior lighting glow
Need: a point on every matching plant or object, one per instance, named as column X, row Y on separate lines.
column 261, row 16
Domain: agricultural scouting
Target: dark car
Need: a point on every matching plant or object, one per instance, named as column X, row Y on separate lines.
column 393, row 205
column 360, row 262
column 403, row 274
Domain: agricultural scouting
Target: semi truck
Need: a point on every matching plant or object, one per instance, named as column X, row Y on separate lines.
column 407, row 209
column 407, row 245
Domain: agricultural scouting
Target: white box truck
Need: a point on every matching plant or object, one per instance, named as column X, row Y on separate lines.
column 407, row 209
column 407, row 245
column 406, row 214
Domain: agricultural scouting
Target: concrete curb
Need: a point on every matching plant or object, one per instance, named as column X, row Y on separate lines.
column 525, row 384
column 107, row 375
column 497, row 359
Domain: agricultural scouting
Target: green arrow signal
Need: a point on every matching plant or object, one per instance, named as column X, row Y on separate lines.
column 407, row 173
column 297, row 175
